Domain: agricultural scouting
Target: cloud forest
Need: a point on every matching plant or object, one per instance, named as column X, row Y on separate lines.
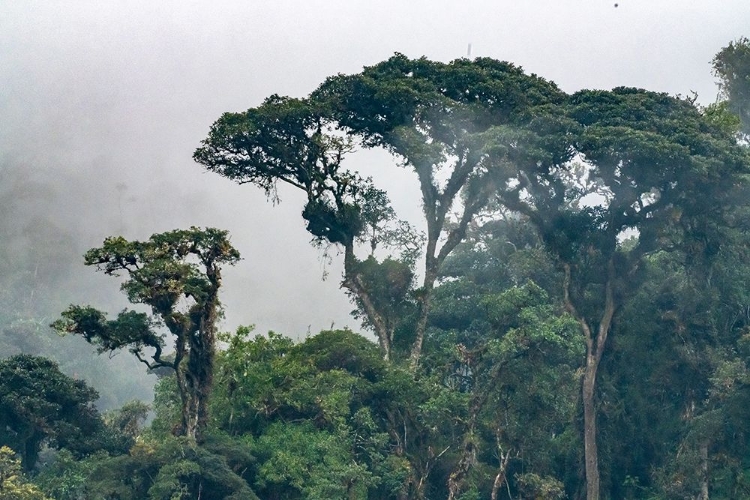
column 569, row 319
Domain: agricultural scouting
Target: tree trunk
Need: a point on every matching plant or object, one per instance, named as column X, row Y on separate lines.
column 594, row 351
column 30, row 450
column 200, row 383
column 500, row 476
column 468, row 459
column 202, row 358
column 421, row 327
column 591, row 453
column 436, row 205
column 188, row 387
column 704, row 471
column 194, row 385
column 185, row 401
column 425, row 301
column 196, row 366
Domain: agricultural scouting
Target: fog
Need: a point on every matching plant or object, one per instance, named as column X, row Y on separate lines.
column 103, row 103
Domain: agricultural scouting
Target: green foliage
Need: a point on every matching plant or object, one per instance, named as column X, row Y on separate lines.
column 685, row 364
column 611, row 162
column 390, row 285
column 516, row 333
column 160, row 271
column 385, row 99
column 286, row 140
column 644, row 151
column 40, row 405
column 129, row 419
column 329, row 418
column 500, row 341
column 13, row 484
column 322, row 415
column 300, row 461
column 67, row 478
column 159, row 275
column 342, row 350
column 720, row 116
column 534, row 486
column 167, row 408
column 171, row 468
column 130, row 329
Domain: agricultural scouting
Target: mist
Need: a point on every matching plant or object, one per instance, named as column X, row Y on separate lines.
column 103, row 103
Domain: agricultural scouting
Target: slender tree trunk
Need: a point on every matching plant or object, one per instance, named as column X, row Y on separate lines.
column 594, row 352
column 436, row 206
column 458, row 476
column 591, row 453
column 425, row 301
column 500, row 476
column 419, row 488
column 704, row 471
column 425, row 298
column 420, row 481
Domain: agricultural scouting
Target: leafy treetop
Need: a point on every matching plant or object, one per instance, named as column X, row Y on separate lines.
column 177, row 274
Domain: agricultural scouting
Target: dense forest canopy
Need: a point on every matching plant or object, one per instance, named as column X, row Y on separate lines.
column 573, row 323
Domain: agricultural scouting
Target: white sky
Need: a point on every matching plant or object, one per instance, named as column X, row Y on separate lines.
column 99, row 93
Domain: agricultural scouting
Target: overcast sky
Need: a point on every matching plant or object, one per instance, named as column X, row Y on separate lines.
column 105, row 101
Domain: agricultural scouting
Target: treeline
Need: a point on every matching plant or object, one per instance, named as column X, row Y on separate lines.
column 572, row 324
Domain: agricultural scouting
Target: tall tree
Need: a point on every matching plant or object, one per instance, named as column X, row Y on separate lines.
column 288, row 141
column 609, row 165
column 439, row 120
column 434, row 118
column 177, row 274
